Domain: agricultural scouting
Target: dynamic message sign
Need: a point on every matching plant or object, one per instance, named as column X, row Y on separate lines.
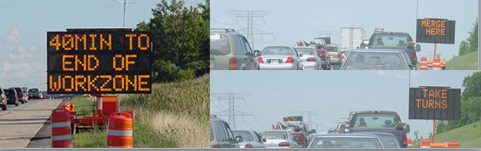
column 435, row 31
column 434, row 103
column 293, row 118
column 96, row 61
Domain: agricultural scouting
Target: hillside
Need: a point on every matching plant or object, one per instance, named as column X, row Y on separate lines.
column 467, row 136
column 465, row 62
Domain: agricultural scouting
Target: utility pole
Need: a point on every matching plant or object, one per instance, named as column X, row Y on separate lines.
column 125, row 8
column 309, row 113
column 250, row 14
column 328, row 33
column 231, row 112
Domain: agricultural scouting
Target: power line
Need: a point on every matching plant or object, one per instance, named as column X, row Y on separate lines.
column 231, row 112
column 125, row 8
column 309, row 113
column 250, row 31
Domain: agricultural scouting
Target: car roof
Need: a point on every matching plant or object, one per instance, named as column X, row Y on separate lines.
column 347, row 135
column 276, row 131
column 304, row 47
column 380, row 111
column 388, row 33
column 378, row 50
column 279, row 46
column 215, row 118
column 378, row 133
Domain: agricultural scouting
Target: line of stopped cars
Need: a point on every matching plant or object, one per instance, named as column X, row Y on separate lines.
column 230, row 50
column 363, row 129
column 17, row 95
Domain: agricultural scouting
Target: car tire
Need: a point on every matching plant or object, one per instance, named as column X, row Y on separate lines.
column 4, row 107
column 72, row 128
column 16, row 104
column 23, row 102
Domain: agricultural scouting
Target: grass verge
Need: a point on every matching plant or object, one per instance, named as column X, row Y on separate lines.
column 467, row 136
column 175, row 115
column 465, row 62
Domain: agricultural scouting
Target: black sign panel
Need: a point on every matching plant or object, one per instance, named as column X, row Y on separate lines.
column 434, row 103
column 89, row 61
column 293, row 118
column 435, row 31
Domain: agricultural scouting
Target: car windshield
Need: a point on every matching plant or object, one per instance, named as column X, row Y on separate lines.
column 391, row 40
column 375, row 61
column 375, row 120
column 246, row 136
column 332, row 49
column 306, row 51
column 277, row 51
column 389, row 141
column 219, row 44
column 33, row 90
column 345, row 142
column 274, row 135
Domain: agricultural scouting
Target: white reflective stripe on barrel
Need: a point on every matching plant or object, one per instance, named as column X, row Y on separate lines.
column 61, row 137
column 120, row 132
column 117, row 147
column 61, row 124
column 425, row 146
column 410, row 145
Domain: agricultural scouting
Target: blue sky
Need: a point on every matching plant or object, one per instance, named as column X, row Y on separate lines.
column 290, row 21
column 24, row 25
column 276, row 94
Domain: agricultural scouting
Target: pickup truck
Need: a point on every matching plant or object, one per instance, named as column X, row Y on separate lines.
column 379, row 121
column 395, row 40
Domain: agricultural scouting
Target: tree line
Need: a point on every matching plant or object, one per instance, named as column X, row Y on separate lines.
column 471, row 43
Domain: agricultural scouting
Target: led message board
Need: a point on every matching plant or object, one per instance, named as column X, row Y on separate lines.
column 293, row 118
column 96, row 61
column 435, row 31
column 434, row 103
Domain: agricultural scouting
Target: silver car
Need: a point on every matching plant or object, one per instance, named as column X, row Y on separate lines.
column 279, row 58
column 346, row 140
column 279, row 139
column 388, row 140
column 249, row 137
column 377, row 59
column 310, row 58
column 335, row 53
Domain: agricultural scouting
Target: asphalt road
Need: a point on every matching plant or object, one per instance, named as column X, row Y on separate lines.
column 19, row 124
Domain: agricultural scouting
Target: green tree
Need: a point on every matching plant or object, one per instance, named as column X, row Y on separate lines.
column 471, row 43
column 470, row 102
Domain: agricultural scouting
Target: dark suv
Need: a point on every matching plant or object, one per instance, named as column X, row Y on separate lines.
column 230, row 50
column 221, row 135
column 11, row 95
column 34, row 93
column 395, row 40
column 22, row 97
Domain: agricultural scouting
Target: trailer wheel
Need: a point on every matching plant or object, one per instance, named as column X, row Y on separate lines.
column 73, row 128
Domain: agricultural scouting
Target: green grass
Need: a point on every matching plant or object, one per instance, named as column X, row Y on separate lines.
column 175, row 115
column 465, row 62
column 467, row 136
column 83, row 106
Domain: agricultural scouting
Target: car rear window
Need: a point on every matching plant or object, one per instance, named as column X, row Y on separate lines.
column 219, row 44
column 375, row 120
column 277, row 51
column 306, row 51
column 391, row 40
column 375, row 61
column 246, row 136
column 274, row 135
column 33, row 90
column 345, row 142
column 332, row 49
column 389, row 141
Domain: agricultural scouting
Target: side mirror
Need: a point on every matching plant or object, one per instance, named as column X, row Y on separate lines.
column 300, row 54
column 418, row 48
column 363, row 45
column 257, row 53
column 347, row 130
column 264, row 140
column 407, row 128
column 239, row 139
column 313, row 131
column 342, row 128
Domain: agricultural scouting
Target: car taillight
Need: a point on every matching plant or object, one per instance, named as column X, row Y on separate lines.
column 414, row 55
column 289, row 60
column 311, row 59
column 216, row 146
column 404, row 139
column 232, row 64
column 375, row 111
column 249, row 146
column 312, row 52
column 338, row 55
column 342, row 57
column 283, row 144
column 260, row 60
column 302, row 138
column 391, row 33
column 324, row 54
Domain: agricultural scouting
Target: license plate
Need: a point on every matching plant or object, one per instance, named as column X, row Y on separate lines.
column 274, row 61
column 300, row 146
column 212, row 63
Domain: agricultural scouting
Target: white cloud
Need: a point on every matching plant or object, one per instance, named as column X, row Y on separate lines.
column 314, row 102
column 312, row 23
column 13, row 36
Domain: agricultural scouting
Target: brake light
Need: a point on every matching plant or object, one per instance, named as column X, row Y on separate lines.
column 232, row 64
column 404, row 139
column 338, row 55
column 312, row 52
column 260, row 60
column 289, row 60
column 283, row 144
column 249, row 146
column 311, row 59
column 324, row 54
column 302, row 138
column 375, row 111
column 216, row 146
column 391, row 33
column 414, row 55
column 342, row 57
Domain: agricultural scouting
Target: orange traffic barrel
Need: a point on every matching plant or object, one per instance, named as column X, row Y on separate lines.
column 425, row 143
column 68, row 106
column 430, row 63
column 119, row 134
column 424, row 63
column 443, row 64
column 438, row 145
column 61, row 130
column 410, row 143
column 436, row 63
column 453, row 144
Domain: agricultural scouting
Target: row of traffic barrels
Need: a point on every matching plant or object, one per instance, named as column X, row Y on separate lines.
column 119, row 133
column 435, row 64
column 425, row 143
